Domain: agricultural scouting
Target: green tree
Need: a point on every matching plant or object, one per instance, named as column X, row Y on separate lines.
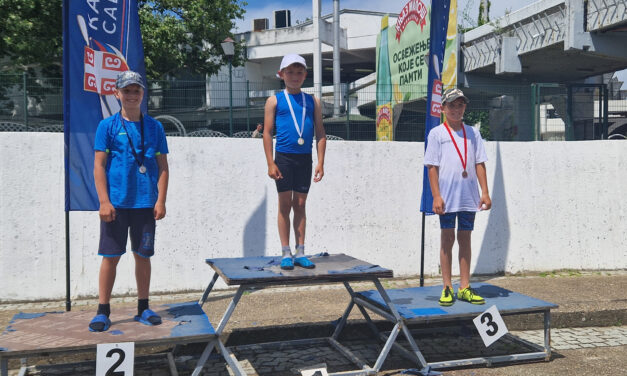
column 183, row 34
column 177, row 34
column 31, row 36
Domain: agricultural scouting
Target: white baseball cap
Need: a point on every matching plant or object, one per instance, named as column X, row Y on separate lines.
column 290, row 59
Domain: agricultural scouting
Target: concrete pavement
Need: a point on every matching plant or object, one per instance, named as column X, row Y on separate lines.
column 588, row 327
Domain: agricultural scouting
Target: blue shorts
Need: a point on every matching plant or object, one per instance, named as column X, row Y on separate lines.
column 466, row 220
column 296, row 171
column 139, row 223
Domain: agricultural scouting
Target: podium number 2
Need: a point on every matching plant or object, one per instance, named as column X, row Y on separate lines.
column 115, row 359
column 486, row 319
column 112, row 370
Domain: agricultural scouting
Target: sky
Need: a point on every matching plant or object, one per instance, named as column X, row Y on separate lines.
column 301, row 10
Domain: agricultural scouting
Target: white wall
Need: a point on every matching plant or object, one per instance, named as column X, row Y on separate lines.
column 556, row 205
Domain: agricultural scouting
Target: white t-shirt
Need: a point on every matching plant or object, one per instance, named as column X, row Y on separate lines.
column 458, row 193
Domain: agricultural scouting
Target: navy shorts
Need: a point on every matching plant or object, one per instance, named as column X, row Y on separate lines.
column 139, row 223
column 296, row 170
column 466, row 220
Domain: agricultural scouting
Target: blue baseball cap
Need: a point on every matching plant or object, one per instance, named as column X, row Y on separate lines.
column 129, row 78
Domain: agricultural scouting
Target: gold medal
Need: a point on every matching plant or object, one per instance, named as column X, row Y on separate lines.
column 301, row 141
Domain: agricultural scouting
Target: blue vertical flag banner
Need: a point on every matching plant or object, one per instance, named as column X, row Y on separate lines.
column 437, row 37
column 100, row 40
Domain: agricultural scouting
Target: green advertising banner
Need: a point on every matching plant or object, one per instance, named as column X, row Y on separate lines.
column 402, row 49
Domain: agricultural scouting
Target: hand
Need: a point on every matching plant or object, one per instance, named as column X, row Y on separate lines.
column 319, row 173
column 485, row 200
column 159, row 211
column 107, row 212
column 438, row 205
column 274, row 172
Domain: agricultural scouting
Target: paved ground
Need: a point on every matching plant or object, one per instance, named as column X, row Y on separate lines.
column 588, row 338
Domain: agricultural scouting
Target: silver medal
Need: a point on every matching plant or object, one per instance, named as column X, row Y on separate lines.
column 142, row 169
column 299, row 130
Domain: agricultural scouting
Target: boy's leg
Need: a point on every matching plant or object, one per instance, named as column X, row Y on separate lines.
column 285, row 207
column 463, row 239
column 106, row 278
column 466, row 225
column 143, row 271
column 300, row 217
column 112, row 246
column 300, row 222
column 283, row 221
column 447, row 240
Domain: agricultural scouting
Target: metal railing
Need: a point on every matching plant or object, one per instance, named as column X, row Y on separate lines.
column 201, row 108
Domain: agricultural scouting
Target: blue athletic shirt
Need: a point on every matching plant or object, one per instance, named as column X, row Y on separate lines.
column 127, row 187
column 286, row 134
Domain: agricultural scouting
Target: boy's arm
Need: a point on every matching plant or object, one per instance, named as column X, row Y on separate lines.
column 162, row 185
column 438, row 202
column 107, row 211
column 483, row 183
column 321, row 140
column 268, row 129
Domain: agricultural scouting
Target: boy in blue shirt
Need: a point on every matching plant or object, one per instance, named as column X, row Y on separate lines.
column 296, row 116
column 131, row 177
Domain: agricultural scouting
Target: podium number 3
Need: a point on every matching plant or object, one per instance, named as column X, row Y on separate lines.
column 486, row 319
column 112, row 370
column 490, row 325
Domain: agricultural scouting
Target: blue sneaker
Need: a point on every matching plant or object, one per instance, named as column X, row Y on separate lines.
column 304, row 262
column 287, row 263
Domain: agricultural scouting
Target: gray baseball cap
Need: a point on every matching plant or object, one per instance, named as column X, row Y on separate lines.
column 451, row 94
column 129, row 78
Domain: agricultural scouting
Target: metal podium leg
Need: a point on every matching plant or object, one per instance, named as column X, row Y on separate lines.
column 363, row 311
column 342, row 322
column 231, row 360
column 387, row 347
column 547, row 334
column 229, row 310
column 401, row 323
column 226, row 354
column 205, row 295
column 4, row 367
column 203, row 358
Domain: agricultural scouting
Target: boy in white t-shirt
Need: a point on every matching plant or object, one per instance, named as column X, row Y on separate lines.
column 455, row 159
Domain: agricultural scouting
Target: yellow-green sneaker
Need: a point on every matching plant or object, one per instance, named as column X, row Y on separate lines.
column 447, row 297
column 469, row 295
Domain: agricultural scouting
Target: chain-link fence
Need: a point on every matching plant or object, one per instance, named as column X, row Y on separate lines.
column 202, row 108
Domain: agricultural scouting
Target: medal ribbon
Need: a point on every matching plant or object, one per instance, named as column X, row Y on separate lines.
column 289, row 103
column 143, row 155
column 465, row 159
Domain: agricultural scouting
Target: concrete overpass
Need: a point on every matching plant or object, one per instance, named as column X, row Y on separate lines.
column 550, row 41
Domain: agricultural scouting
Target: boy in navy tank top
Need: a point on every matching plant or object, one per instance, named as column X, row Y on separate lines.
column 297, row 117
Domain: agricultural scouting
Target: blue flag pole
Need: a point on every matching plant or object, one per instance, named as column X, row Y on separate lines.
column 437, row 43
